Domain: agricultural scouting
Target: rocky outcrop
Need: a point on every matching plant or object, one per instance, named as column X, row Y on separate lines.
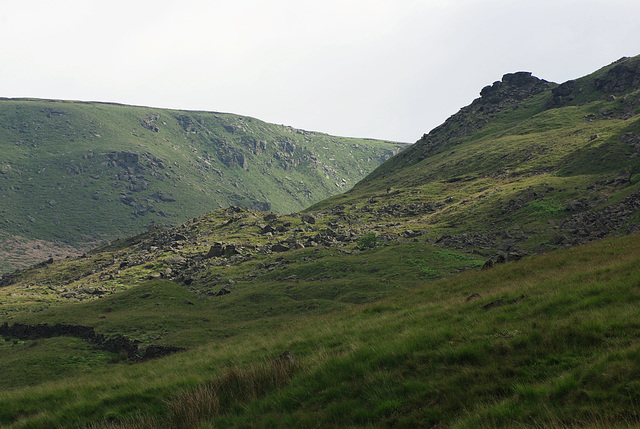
column 124, row 159
column 620, row 78
column 591, row 225
column 513, row 87
column 633, row 141
column 150, row 122
column 163, row 196
column 187, row 123
column 506, row 94
column 562, row 94
column 234, row 159
column 308, row 219
column 115, row 344
column 467, row 241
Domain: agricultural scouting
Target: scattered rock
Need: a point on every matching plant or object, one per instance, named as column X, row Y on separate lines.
column 473, row 296
column 150, row 122
column 286, row 357
column 278, row 247
column 215, row 251
column 266, row 229
column 223, row 291
column 493, row 304
column 270, row 217
column 231, row 250
column 309, row 219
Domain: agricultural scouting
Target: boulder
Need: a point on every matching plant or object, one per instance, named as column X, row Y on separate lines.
column 578, row 205
column 231, row 250
column 264, row 229
column 270, row 217
column 309, row 219
column 223, row 291
column 175, row 260
column 279, row 247
column 215, row 251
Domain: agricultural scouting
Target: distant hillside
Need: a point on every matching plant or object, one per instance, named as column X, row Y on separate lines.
column 74, row 173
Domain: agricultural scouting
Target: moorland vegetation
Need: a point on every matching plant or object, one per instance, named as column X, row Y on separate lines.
column 484, row 277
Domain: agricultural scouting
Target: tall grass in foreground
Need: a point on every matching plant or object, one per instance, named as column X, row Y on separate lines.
column 559, row 348
column 233, row 387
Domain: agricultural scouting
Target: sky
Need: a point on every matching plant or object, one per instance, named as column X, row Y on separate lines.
column 387, row 69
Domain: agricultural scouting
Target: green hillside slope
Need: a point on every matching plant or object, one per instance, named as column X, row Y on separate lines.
column 484, row 277
column 549, row 341
column 528, row 164
column 74, row 173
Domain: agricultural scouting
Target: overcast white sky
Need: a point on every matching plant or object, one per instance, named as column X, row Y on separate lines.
column 391, row 69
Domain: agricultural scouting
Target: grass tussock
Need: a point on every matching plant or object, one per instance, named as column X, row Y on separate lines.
column 232, row 387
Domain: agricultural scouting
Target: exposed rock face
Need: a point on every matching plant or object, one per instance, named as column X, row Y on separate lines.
column 270, row 217
column 186, row 123
column 114, row 344
column 309, row 219
column 562, row 94
column 262, row 206
column 513, row 87
column 215, row 251
column 124, row 159
column 150, row 122
column 278, row 247
column 162, row 196
column 234, row 159
column 507, row 93
column 620, row 78
column 633, row 140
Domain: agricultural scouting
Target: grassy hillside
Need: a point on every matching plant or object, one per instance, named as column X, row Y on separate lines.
column 76, row 173
column 544, row 342
column 532, row 163
column 484, row 277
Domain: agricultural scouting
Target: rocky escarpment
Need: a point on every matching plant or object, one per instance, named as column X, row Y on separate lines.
column 622, row 77
column 115, row 344
column 504, row 95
